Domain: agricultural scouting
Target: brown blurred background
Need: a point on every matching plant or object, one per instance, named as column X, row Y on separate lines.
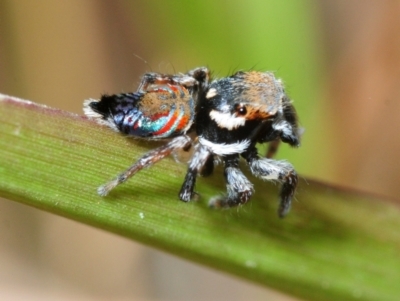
column 340, row 61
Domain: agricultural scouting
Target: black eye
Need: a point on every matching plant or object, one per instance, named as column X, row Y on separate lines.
column 241, row 110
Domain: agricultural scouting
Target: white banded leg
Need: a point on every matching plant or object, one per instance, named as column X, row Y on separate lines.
column 181, row 142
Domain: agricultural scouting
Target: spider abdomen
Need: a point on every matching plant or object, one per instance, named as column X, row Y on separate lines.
column 164, row 111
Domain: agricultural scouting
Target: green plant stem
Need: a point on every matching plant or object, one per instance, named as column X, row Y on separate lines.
column 334, row 245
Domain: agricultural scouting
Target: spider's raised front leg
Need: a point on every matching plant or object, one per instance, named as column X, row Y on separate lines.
column 151, row 157
column 288, row 127
column 274, row 170
column 239, row 188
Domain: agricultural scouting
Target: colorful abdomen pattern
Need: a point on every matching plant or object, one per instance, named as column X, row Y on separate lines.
column 164, row 111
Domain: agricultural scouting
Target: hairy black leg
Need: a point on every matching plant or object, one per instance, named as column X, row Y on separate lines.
column 289, row 127
column 187, row 190
column 238, row 186
column 287, row 191
column 202, row 75
column 289, row 112
column 287, row 133
column 147, row 160
column 199, row 159
column 274, row 170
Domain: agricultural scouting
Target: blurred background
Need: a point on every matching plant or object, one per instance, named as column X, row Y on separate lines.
column 339, row 60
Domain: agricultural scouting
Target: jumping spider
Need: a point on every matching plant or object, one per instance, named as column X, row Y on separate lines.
column 228, row 115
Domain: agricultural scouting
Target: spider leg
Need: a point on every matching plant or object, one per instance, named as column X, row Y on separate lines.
column 147, row 80
column 274, row 170
column 202, row 75
column 199, row 160
column 289, row 130
column 238, row 186
column 147, row 160
column 285, row 130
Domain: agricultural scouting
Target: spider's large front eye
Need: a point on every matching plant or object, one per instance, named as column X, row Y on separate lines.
column 241, row 109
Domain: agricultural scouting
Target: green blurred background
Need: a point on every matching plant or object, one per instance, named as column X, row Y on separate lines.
column 339, row 61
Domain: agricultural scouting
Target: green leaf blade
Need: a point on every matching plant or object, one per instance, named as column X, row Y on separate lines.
column 334, row 245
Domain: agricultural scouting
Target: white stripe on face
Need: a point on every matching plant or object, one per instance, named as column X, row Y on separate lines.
column 227, row 120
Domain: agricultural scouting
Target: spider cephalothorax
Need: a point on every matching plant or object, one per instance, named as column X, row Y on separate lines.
column 229, row 116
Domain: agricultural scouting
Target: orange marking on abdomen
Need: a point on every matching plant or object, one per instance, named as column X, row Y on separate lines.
column 183, row 123
column 168, row 125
